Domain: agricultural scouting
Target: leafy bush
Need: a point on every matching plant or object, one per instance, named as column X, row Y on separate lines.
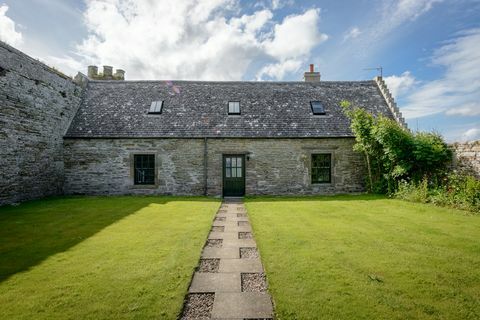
column 412, row 191
column 393, row 153
column 410, row 166
column 456, row 191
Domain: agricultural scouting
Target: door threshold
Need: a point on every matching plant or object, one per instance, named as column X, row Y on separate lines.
column 233, row 199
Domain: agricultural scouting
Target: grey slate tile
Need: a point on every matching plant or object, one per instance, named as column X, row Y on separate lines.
column 269, row 109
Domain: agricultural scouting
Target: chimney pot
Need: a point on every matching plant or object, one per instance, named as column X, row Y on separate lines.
column 119, row 74
column 107, row 71
column 312, row 68
column 92, row 71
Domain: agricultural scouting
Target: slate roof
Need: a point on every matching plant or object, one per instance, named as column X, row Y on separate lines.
column 199, row 109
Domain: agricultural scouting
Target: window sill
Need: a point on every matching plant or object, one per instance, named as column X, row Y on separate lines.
column 144, row 186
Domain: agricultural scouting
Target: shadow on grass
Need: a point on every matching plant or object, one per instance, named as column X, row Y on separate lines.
column 342, row 197
column 35, row 230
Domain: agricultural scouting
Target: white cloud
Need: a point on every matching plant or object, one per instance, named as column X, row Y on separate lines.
column 352, row 33
column 187, row 39
column 457, row 92
column 411, row 9
column 471, row 135
column 471, row 109
column 399, row 85
column 291, row 44
column 280, row 69
column 295, row 36
column 278, row 4
column 396, row 13
column 8, row 33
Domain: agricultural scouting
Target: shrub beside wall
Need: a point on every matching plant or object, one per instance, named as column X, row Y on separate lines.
column 455, row 191
column 414, row 166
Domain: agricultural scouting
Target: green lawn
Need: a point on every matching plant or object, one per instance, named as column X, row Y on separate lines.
column 367, row 257
column 100, row 257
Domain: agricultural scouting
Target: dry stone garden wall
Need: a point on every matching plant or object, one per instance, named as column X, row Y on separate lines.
column 37, row 104
column 467, row 157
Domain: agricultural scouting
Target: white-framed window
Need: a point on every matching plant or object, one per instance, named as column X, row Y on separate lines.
column 234, row 107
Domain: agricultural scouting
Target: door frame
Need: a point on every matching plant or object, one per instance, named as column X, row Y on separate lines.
column 244, row 164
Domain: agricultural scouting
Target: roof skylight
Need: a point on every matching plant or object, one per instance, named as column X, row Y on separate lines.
column 317, row 107
column 156, row 107
column 234, row 107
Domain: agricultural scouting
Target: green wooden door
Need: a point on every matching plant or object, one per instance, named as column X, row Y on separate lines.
column 233, row 175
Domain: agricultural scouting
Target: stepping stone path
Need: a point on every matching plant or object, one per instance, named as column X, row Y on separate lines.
column 229, row 282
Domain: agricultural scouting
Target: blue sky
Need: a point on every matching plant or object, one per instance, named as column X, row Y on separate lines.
column 429, row 49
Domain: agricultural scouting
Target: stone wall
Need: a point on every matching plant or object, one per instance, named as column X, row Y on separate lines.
column 37, row 104
column 275, row 166
column 466, row 157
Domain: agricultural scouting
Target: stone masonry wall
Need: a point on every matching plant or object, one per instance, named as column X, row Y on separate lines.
column 105, row 166
column 275, row 166
column 36, row 107
column 467, row 157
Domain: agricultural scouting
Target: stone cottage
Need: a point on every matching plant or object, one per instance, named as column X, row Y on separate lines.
column 176, row 137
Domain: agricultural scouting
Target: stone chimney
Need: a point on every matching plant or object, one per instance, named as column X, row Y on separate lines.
column 92, row 72
column 312, row 76
column 106, row 75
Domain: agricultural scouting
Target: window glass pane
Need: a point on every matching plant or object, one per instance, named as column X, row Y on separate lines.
column 239, row 172
column 153, row 106
column 317, row 107
column 228, row 172
column 239, row 162
column 321, row 168
column 234, row 107
column 227, row 162
column 156, row 106
column 144, row 169
column 234, row 162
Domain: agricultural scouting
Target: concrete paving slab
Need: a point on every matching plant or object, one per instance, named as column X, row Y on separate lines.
column 242, row 305
column 226, row 215
column 221, row 253
column 240, row 265
column 236, row 219
column 223, row 235
column 215, row 282
column 239, row 243
column 225, row 223
column 237, row 228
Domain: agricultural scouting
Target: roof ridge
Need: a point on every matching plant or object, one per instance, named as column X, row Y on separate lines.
column 233, row 81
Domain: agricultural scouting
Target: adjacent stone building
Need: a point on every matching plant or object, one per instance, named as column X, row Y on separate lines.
column 176, row 137
column 37, row 104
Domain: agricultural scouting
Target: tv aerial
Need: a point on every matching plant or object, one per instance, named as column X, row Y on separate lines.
column 379, row 69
